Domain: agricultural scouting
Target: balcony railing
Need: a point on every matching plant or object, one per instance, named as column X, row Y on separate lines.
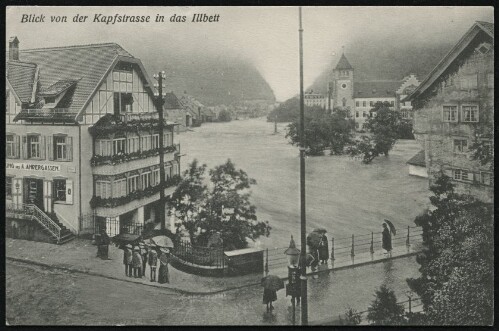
column 135, row 195
column 97, row 160
column 47, row 113
column 127, row 117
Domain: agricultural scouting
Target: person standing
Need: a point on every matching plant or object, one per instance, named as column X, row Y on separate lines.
column 387, row 240
column 323, row 249
column 103, row 245
column 152, row 261
column 127, row 260
column 164, row 259
column 137, row 262
column 144, row 254
column 268, row 297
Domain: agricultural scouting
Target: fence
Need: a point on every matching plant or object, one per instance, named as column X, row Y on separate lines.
column 114, row 227
column 205, row 256
column 345, row 249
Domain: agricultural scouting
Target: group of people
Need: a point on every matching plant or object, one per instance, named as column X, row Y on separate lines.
column 136, row 257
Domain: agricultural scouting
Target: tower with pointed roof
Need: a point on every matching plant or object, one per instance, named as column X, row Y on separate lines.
column 342, row 85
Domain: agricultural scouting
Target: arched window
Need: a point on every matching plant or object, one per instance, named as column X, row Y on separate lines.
column 344, row 102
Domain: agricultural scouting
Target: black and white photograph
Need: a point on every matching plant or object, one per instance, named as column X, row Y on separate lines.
column 298, row 165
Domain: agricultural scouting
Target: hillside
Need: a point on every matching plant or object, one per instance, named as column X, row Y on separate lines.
column 213, row 80
column 374, row 61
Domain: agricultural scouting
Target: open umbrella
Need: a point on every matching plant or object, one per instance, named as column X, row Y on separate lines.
column 392, row 227
column 313, row 239
column 162, row 241
column 272, row 282
column 320, row 230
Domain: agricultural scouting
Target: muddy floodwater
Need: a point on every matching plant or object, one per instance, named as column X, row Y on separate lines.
column 342, row 195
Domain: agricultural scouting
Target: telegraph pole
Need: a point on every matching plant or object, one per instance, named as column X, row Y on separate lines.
column 303, row 277
column 159, row 103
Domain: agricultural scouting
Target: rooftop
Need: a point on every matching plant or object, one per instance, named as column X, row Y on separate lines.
column 418, row 159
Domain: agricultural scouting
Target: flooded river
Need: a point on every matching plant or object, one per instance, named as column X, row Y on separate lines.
column 342, row 195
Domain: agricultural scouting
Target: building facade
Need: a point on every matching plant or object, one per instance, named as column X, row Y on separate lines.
column 454, row 109
column 312, row 99
column 359, row 97
column 82, row 139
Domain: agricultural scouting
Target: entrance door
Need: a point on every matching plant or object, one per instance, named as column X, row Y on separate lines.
column 33, row 192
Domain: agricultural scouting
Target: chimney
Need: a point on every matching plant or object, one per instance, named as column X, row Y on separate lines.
column 14, row 49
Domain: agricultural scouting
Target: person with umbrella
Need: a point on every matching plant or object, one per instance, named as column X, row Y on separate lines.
column 164, row 259
column 271, row 284
column 313, row 240
column 136, row 262
column 144, row 252
column 127, row 259
column 103, row 245
column 387, row 237
column 152, row 260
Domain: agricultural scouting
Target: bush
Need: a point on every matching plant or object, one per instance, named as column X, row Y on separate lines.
column 385, row 310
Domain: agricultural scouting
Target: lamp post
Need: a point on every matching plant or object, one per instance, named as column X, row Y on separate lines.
column 292, row 288
column 303, row 277
column 18, row 197
column 159, row 105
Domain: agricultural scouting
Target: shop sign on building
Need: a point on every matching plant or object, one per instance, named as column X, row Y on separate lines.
column 32, row 166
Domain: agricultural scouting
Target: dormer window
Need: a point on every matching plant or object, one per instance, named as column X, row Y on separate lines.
column 49, row 100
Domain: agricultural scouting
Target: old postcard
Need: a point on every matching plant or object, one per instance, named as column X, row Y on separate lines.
column 249, row 166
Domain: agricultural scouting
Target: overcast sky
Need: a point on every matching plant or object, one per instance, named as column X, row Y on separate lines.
column 266, row 36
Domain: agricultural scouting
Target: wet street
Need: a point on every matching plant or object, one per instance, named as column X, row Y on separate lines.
column 42, row 296
column 343, row 195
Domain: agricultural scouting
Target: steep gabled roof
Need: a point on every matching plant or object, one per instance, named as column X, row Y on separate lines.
column 87, row 64
column 171, row 101
column 21, row 76
column 343, row 63
column 453, row 54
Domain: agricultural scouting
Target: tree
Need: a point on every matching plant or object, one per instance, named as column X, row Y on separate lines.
column 385, row 310
column 352, row 317
column 189, row 196
column 457, row 264
column 364, row 147
column 287, row 111
column 224, row 116
column 223, row 207
column 338, row 131
column 385, row 127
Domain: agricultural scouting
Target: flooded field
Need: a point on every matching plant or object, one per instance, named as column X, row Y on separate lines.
column 343, row 195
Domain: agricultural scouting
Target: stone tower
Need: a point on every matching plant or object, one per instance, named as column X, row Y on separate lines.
column 343, row 85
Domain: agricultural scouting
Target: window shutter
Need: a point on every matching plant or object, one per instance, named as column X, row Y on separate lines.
column 50, row 147
column 69, row 191
column 42, row 147
column 25, row 147
column 69, row 145
column 17, row 147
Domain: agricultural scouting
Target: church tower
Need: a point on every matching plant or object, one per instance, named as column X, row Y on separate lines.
column 343, row 85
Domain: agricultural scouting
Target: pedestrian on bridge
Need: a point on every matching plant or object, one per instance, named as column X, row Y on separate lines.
column 387, row 240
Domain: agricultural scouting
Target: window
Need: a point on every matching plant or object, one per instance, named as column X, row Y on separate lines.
column 34, row 147
column 133, row 144
column 364, row 103
column 486, row 178
column 59, row 190
column 460, row 146
column 8, row 186
column 470, row 113
column 356, row 114
column 133, row 183
column 469, row 82
column 344, row 102
column 49, row 100
column 122, row 102
column 356, row 125
column 462, row 175
column 371, row 103
column 60, row 148
column 155, row 177
column 145, row 143
column 155, row 141
column 146, row 179
column 392, row 103
column 405, row 114
column 490, row 80
column 168, row 172
column 103, row 189
column 449, row 113
column 118, row 145
column 103, row 147
column 119, row 188
column 12, row 146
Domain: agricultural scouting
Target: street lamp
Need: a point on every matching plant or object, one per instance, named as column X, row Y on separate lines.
column 18, row 197
column 159, row 106
column 292, row 288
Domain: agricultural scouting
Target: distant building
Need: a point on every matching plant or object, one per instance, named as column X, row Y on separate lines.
column 175, row 112
column 453, row 107
column 312, row 99
column 82, row 141
column 359, row 97
column 417, row 165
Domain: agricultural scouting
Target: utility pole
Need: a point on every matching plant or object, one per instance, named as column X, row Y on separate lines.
column 303, row 277
column 159, row 105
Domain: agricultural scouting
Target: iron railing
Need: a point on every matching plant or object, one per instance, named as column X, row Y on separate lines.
column 114, row 227
column 205, row 256
column 33, row 212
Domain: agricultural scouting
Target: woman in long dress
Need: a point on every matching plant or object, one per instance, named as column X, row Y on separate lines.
column 323, row 249
column 386, row 240
column 268, row 297
column 164, row 259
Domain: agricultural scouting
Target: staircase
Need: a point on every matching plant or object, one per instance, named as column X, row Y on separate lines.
column 50, row 224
